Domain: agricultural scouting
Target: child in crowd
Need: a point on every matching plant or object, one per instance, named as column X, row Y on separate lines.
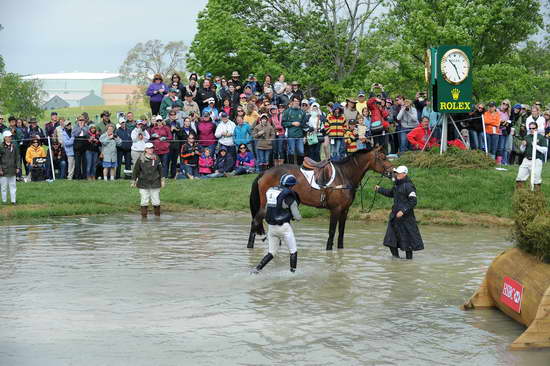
column 223, row 165
column 206, row 162
column 190, row 157
column 351, row 136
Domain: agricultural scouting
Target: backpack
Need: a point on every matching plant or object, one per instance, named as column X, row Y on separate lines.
column 376, row 127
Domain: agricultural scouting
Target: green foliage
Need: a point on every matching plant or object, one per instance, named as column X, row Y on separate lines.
column 226, row 42
column 334, row 50
column 493, row 29
column 531, row 230
column 454, row 158
column 20, row 97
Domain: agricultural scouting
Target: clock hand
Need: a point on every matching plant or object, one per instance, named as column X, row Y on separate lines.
column 455, row 68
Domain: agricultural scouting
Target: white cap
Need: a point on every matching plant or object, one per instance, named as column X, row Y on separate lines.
column 6, row 134
column 401, row 169
column 158, row 118
column 121, row 119
column 149, row 145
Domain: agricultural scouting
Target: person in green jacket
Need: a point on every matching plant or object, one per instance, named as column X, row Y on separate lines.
column 147, row 176
column 9, row 167
column 169, row 102
column 294, row 120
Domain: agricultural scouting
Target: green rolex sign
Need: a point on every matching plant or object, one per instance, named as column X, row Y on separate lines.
column 450, row 73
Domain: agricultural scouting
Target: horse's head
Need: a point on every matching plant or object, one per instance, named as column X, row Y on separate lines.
column 379, row 162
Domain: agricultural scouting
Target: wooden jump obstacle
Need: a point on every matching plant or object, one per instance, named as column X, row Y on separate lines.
column 518, row 285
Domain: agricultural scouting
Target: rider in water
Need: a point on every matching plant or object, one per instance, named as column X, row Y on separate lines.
column 282, row 206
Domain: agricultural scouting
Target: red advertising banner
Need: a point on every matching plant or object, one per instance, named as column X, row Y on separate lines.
column 512, row 293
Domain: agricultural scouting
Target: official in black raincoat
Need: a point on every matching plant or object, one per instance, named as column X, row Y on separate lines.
column 402, row 232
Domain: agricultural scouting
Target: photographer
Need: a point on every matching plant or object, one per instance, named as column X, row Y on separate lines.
column 124, row 150
column 378, row 114
column 175, row 144
column 408, row 120
column 420, row 102
column 140, row 137
column 109, row 142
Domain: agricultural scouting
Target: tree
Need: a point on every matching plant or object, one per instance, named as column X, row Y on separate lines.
column 493, row 29
column 229, row 39
column 20, row 97
column 152, row 57
column 318, row 42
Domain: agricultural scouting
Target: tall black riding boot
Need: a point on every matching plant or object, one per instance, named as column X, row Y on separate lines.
column 265, row 260
column 293, row 262
column 394, row 252
column 409, row 254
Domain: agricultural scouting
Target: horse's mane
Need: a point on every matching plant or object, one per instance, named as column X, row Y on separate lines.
column 349, row 157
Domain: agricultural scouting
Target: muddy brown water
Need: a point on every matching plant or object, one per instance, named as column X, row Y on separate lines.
column 116, row 291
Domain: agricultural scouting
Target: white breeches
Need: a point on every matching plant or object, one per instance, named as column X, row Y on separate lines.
column 6, row 182
column 284, row 233
column 152, row 195
column 525, row 170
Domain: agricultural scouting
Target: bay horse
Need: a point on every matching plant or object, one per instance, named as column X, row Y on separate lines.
column 337, row 197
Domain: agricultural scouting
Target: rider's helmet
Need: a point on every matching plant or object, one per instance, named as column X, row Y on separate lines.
column 288, row 180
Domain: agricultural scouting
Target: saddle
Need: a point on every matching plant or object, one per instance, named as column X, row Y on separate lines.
column 322, row 170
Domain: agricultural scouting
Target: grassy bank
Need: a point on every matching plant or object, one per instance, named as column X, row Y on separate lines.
column 478, row 197
column 93, row 111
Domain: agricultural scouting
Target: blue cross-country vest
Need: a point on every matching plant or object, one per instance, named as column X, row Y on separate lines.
column 276, row 214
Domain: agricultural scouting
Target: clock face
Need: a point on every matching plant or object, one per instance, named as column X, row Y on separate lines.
column 455, row 66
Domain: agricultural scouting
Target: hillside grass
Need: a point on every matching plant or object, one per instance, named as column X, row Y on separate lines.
column 445, row 196
column 73, row 112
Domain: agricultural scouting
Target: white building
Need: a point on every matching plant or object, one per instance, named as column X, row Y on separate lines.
column 107, row 88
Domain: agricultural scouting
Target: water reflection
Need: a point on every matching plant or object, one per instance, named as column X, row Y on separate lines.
column 116, row 290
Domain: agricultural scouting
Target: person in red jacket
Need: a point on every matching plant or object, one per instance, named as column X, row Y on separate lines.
column 418, row 137
column 378, row 113
column 160, row 137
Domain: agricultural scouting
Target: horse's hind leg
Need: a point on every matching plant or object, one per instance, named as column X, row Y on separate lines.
column 341, row 228
column 256, row 227
column 332, row 228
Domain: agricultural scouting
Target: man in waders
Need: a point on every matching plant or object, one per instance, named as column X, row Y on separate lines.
column 402, row 232
column 282, row 206
column 532, row 162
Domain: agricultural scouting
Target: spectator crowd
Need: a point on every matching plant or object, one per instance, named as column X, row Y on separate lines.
column 219, row 127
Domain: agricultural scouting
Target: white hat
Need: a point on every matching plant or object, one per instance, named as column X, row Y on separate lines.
column 211, row 100
column 149, row 145
column 7, row 134
column 402, row 169
column 121, row 120
column 158, row 118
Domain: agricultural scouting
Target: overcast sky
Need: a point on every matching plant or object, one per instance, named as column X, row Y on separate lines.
column 47, row 36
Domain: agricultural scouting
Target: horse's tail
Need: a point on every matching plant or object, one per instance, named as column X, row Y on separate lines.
column 256, row 227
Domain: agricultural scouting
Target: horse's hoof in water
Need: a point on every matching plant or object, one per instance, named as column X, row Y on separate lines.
column 254, row 271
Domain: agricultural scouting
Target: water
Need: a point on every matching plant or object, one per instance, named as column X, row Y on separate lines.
column 116, row 291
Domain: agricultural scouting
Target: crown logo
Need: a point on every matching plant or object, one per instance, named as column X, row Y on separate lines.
column 455, row 93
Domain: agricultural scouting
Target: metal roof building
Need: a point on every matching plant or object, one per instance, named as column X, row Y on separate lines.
column 75, row 86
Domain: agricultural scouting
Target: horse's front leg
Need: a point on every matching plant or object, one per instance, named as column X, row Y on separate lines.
column 334, row 215
column 341, row 228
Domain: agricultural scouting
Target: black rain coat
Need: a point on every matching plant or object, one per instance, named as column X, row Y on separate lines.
column 402, row 232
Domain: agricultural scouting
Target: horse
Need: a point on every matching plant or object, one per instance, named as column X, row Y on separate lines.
column 336, row 197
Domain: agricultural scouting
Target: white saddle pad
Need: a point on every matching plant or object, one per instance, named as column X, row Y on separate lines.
column 309, row 175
